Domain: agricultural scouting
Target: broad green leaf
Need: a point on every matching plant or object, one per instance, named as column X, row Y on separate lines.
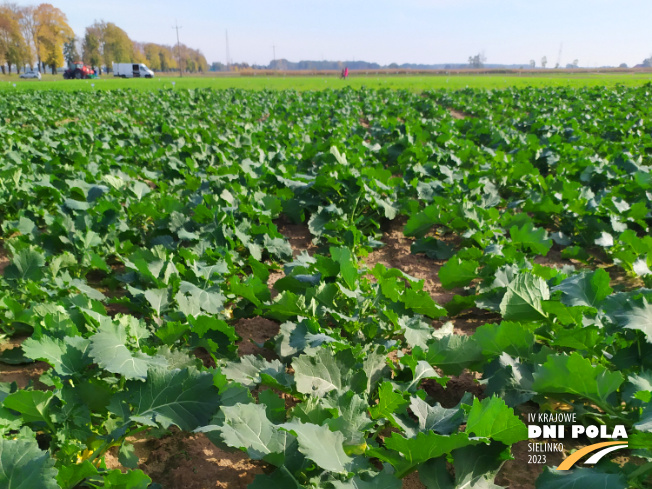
column 436, row 418
column 27, row 264
column 108, row 349
column 24, row 466
column 492, row 418
column 353, row 420
column 185, row 398
column 68, row 357
column 453, row 353
column 419, row 224
column 638, row 317
column 32, row 405
column 475, row 467
column 127, row 456
column 348, row 270
column 534, row 239
column 280, row 478
column 70, row 476
column 572, row 374
column 246, row 426
column 585, row 288
column 506, row 337
column 132, row 479
column 406, row 454
column 322, row 446
column 417, row 332
column 510, row 380
column 383, row 480
column 421, row 302
column 389, row 403
column 457, row 272
column 316, row 375
column 523, row 299
column 580, row 478
column 158, row 299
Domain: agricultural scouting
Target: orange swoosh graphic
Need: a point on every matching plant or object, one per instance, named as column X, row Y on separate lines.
column 570, row 461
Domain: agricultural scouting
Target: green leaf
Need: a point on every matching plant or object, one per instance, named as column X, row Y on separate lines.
column 585, row 288
column 406, row 454
column 24, row 466
column 436, row 418
column 281, row 477
column 383, row 480
column 316, row 375
column 186, row 398
column 246, row 427
column 510, row 380
column 127, row 456
column 433, row 248
column 638, row 318
column 321, row 445
column 457, row 272
column 353, row 420
column 492, row 418
column 534, row 239
column 68, row 356
column 475, row 467
column 523, row 299
column 132, row 479
column 580, row 478
column 348, row 270
column 108, row 349
column 419, row 224
column 453, row 353
column 27, row 264
column 193, row 299
column 33, row 405
column 421, row 302
column 506, row 337
column 389, row 403
column 158, row 299
column 417, row 332
column 70, row 476
column 575, row 375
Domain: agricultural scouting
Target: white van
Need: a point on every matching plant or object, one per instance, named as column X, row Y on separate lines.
column 132, row 70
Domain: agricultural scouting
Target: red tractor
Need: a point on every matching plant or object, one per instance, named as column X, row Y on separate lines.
column 79, row 71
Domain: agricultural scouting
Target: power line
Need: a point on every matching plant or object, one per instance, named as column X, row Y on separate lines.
column 177, row 27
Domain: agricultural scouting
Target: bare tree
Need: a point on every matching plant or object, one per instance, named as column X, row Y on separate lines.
column 544, row 62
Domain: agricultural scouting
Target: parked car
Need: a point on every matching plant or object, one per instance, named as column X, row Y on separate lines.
column 132, row 70
column 31, row 74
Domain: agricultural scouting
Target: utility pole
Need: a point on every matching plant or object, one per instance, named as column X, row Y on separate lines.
column 177, row 27
column 228, row 62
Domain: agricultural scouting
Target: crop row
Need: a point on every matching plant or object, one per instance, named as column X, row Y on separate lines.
column 141, row 227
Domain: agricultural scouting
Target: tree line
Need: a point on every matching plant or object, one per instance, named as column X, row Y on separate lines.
column 39, row 37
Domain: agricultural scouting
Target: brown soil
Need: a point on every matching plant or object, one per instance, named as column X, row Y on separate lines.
column 412, row 482
column 457, row 114
column 190, row 461
column 396, row 254
column 4, row 260
column 456, row 387
column 254, row 331
column 298, row 235
column 25, row 374
column 300, row 240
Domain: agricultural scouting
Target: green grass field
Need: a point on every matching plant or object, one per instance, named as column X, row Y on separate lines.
column 414, row 83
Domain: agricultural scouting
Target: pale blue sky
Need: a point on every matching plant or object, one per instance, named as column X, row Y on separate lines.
column 596, row 32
